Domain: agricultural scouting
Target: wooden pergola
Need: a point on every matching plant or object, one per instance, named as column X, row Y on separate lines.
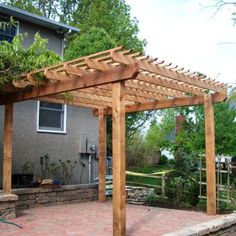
column 115, row 82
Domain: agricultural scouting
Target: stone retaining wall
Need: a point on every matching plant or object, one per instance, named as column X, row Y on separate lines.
column 32, row 197
column 8, row 206
column 223, row 226
column 229, row 231
column 137, row 195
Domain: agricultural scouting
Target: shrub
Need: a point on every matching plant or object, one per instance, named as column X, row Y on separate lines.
column 61, row 170
column 182, row 190
column 135, row 152
column 163, row 160
column 15, row 59
column 95, row 40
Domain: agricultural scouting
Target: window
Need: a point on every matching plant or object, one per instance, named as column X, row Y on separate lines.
column 7, row 31
column 51, row 117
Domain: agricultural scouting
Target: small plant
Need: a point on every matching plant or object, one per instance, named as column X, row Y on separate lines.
column 27, row 167
column 45, row 166
column 66, row 170
column 163, row 160
column 182, row 190
column 61, row 170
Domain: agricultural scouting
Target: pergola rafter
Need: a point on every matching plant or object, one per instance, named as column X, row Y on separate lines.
column 151, row 81
column 114, row 82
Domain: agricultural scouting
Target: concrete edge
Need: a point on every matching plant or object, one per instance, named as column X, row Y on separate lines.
column 8, row 197
column 207, row 227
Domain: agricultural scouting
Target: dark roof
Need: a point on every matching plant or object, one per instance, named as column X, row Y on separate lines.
column 20, row 14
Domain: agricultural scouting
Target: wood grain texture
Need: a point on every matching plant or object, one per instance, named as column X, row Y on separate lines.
column 210, row 155
column 118, row 148
column 7, row 148
column 170, row 103
column 102, row 156
column 120, row 73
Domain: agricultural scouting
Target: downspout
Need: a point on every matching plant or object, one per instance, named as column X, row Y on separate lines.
column 90, row 168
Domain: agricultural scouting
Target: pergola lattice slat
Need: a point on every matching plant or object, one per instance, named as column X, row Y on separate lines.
column 147, row 80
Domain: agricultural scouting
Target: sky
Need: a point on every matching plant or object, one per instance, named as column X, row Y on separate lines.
column 189, row 33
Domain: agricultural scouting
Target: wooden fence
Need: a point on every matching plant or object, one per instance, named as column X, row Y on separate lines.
column 157, row 175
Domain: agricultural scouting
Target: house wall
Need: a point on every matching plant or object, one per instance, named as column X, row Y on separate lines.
column 29, row 145
column 55, row 40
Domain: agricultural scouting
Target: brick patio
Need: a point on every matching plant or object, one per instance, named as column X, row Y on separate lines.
column 95, row 219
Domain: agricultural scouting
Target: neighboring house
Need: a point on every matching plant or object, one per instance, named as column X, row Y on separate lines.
column 40, row 128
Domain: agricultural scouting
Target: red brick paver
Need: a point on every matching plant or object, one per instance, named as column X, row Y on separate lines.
column 95, row 219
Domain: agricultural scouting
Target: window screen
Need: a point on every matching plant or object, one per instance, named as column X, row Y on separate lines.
column 7, row 32
column 51, row 117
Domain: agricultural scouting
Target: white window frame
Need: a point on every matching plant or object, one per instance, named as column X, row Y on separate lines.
column 48, row 130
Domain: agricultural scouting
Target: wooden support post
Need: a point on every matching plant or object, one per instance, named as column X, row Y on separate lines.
column 163, row 185
column 210, row 155
column 7, row 148
column 102, row 156
column 118, row 147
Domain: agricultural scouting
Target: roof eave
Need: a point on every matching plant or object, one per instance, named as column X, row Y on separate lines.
column 36, row 19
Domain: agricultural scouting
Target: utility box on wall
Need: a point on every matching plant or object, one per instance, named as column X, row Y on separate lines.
column 82, row 143
column 86, row 146
column 91, row 147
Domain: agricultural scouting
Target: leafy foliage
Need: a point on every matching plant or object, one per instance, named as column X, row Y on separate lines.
column 111, row 15
column 52, row 9
column 94, row 40
column 134, row 123
column 15, row 59
column 182, row 190
column 135, row 151
column 61, row 170
column 28, row 5
column 103, row 24
column 114, row 17
column 182, row 185
column 225, row 129
column 191, row 138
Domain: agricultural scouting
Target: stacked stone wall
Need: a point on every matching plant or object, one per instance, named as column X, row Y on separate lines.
column 8, row 206
column 138, row 195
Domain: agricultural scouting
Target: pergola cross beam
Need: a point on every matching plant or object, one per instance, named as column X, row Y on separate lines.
column 92, row 79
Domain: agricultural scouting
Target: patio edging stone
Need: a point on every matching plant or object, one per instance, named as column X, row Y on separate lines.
column 8, row 206
column 224, row 226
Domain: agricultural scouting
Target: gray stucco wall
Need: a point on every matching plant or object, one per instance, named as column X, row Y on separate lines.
column 55, row 40
column 28, row 144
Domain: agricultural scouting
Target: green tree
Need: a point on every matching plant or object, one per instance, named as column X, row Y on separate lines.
column 159, row 135
column 24, row 5
column 94, row 40
column 225, row 129
column 114, row 26
column 191, row 138
column 15, row 59
column 114, row 17
column 111, row 15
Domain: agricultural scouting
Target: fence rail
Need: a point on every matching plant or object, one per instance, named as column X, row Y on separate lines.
column 156, row 175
